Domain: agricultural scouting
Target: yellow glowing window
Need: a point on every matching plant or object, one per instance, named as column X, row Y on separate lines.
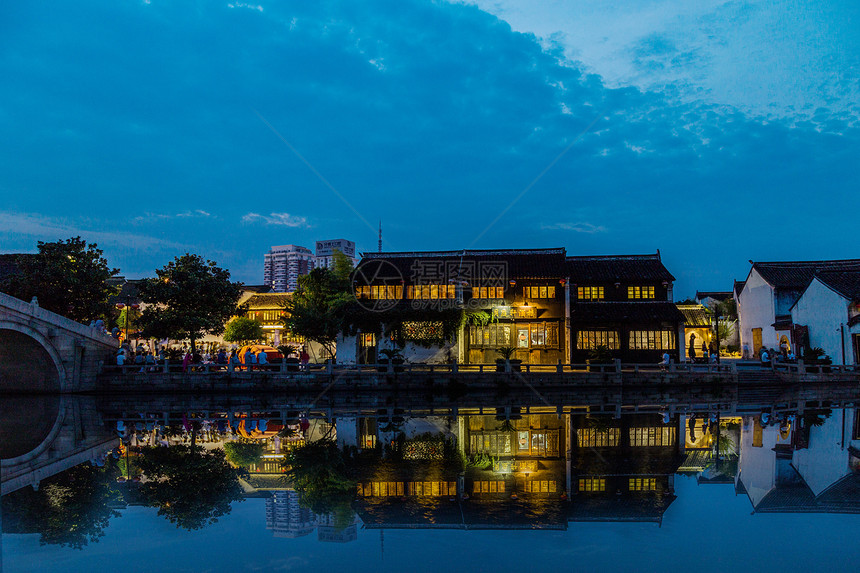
column 592, row 438
column 539, row 292
column 642, row 484
column 589, row 293
column 488, row 292
column 592, row 484
column 591, row 339
column 640, row 292
column 430, row 292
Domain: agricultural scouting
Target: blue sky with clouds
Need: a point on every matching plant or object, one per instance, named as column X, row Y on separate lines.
column 717, row 133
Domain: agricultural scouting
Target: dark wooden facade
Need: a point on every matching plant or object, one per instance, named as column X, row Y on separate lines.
column 623, row 303
column 512, row 298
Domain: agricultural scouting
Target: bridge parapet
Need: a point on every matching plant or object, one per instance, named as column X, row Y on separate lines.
column 43, row 351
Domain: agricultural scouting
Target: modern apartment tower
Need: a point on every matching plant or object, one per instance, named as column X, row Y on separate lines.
column 325, row 250
column 284, row 264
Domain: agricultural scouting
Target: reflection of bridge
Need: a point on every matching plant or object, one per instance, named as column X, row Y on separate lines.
column 41, row 351
column 45, row 435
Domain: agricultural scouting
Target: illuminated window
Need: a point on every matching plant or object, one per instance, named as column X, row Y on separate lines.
column 543, row 334
column 379, row 292
column 488, row 292
column 430, row 292
column 490, row 336
column 540, row 486
column 652, row 340
column 539, row 292
column 538, row 442
column 494, row 443
column 634, row 292
column 494, row 486
column 591, row 438
column 664, row 436
column 642, row 484
column 592, row 484
column 591, row 339
column 589, row 293
column 431, row 488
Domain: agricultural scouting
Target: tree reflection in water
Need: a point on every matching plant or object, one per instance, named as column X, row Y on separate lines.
column 70, row 509
column 319, row 472
column 191, row 487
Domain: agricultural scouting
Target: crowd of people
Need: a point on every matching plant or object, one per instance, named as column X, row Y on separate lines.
column 205, row 359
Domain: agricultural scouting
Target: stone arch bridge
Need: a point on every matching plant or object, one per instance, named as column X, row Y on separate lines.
column 41, row 351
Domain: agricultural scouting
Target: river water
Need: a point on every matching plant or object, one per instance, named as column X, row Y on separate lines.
column 273, row 483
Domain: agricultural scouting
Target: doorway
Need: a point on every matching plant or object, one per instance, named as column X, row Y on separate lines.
column 756, row 336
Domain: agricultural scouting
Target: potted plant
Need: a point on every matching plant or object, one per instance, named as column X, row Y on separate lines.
column 600, row 359
column 505, row 352
column 290, row 357
column 392, row 356
column 816, row 360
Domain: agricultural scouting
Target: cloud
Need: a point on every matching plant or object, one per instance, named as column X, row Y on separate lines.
column 575, row 227
column 282, row 219
column 196, row 213
column 45, row 228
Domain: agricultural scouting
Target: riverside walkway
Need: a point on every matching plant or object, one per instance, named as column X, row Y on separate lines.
column 472, row 377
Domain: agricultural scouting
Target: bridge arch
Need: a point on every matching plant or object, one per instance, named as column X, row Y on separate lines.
column 28, row 360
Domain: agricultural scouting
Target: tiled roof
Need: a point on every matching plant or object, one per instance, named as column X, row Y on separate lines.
column 614, row 508
column 609, row 268
column 846, row 283
column 739, row 286
column 716, row 295
column 695, row 315
column 273, row 300
column 128, row 291
column 388, row 268
column 626, row 312
column 798, row 274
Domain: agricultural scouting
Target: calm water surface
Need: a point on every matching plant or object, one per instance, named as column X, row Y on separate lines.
column 469, row 490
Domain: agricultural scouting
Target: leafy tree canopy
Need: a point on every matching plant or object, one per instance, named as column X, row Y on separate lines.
column 320, row 308
column 243, row 454
column 244, row 330
column 318, row 471
column 190, row 486
column 190, row 297
column 70, row 509
column 68, row 277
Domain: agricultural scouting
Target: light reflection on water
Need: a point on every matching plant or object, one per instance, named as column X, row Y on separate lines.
column 639, row 493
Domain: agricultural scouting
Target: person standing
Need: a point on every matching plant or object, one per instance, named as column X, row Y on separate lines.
column 304, row 357
column 263, row 360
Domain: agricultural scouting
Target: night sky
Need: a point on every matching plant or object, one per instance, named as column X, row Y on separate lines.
column 714, row 131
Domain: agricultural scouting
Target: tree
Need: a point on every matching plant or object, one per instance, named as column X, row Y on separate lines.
column 68, row 277
column 189, row 298
column 727, row 309
column 70, row 509
column 244, row 454
column 190, row 486
column 318, row 471
column 243, row 330
column 319, row 309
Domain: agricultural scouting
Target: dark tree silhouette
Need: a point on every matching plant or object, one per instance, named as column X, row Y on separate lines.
column 190, row 486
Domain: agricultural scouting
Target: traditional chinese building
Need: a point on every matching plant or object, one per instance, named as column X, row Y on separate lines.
column 623, row 303
column 511, row 299
column 768, row 294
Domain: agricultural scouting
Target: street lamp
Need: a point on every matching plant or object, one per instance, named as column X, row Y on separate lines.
column 128, row 307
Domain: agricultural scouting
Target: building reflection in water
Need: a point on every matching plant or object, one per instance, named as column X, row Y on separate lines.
column 490, row 468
